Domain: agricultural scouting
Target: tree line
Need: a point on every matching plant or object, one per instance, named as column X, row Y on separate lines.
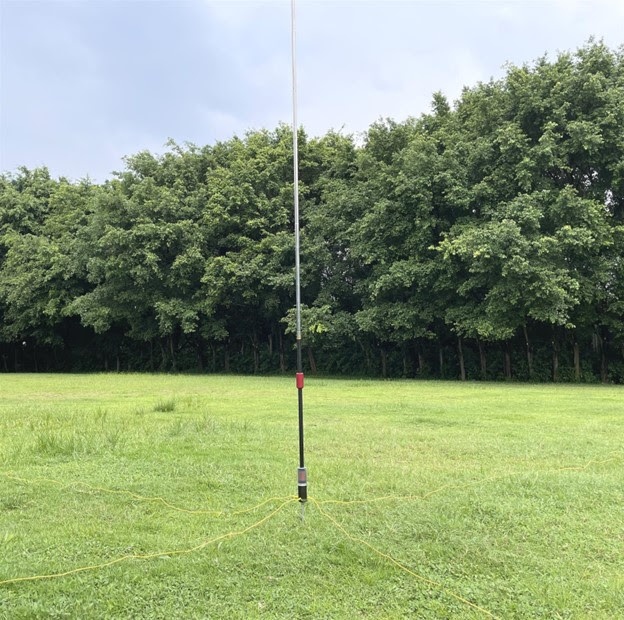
column 482, row 240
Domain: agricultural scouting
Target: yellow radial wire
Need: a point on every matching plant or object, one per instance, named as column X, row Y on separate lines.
column 288, row 499
column 404, row 568
column 462, row 485
column 148, row 556
column 142, row 498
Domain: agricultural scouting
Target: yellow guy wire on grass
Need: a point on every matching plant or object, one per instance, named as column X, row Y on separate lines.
column 426, row 580
column 219, row 513
column 148, row 556
column 404, row 568
column 463, row 485
column 592, row 462
column 142, row 498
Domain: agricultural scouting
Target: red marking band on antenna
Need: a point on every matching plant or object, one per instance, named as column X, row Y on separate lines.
column 299, row 376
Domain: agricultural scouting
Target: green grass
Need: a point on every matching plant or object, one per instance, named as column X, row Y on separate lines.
column 512, row 532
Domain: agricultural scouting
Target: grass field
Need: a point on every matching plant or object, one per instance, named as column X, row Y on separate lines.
column 516, row 498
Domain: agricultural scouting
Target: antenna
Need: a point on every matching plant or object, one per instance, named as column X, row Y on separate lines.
column 302, row 473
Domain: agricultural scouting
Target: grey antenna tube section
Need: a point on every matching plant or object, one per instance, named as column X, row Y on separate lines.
column 302, row 475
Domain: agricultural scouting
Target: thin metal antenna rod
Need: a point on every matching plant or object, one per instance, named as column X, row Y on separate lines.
column 302, row 475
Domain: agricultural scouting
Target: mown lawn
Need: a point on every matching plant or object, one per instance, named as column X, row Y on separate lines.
column 522, row 513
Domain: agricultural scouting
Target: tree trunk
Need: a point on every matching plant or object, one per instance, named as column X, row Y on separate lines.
column 367, row 356
column 35, row 358
column 270, row 344
column 118, row 362
column 281, row 351
column 404, row 362
column 604, row 365
column 152, row 354
column 577, row 361
column 482, row 360
column 529, row 351
column 366, row 353
column 226, row 361
column 441, row 360
column 163, row 355
column 507, row 360
column 173, row 358
column 198, row 350
column 311, row 361
column 462, row 368
column 384, row 363
column 415, row 359
column 254, row 342
column 555, row 367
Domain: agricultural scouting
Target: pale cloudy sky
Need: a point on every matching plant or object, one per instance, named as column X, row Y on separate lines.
column 83, row 83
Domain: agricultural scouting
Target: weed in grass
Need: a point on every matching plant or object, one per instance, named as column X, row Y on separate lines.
column 7, row 538
column 243, row 426
column 205, row 424
column 100, row 415
column 71, row 443
column 175, row 430
column 165, row 405
column 50, row 442
column 114, row 438
column 13, row 501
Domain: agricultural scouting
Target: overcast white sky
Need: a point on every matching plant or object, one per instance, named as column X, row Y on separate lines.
column 83, row 83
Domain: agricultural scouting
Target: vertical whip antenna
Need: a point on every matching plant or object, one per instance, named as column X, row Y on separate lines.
column 302, row 474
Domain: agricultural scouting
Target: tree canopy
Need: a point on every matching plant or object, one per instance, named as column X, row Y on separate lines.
column 484, row 239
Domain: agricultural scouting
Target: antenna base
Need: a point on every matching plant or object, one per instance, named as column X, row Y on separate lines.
column 302, row 484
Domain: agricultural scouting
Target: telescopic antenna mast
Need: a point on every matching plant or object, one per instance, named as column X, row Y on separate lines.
column 302, row 474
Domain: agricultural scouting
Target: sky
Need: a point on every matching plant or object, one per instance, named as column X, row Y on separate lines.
column 84, row 83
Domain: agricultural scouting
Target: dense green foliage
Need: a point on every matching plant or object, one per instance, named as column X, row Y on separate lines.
column 501, row 523
column 485, row 239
